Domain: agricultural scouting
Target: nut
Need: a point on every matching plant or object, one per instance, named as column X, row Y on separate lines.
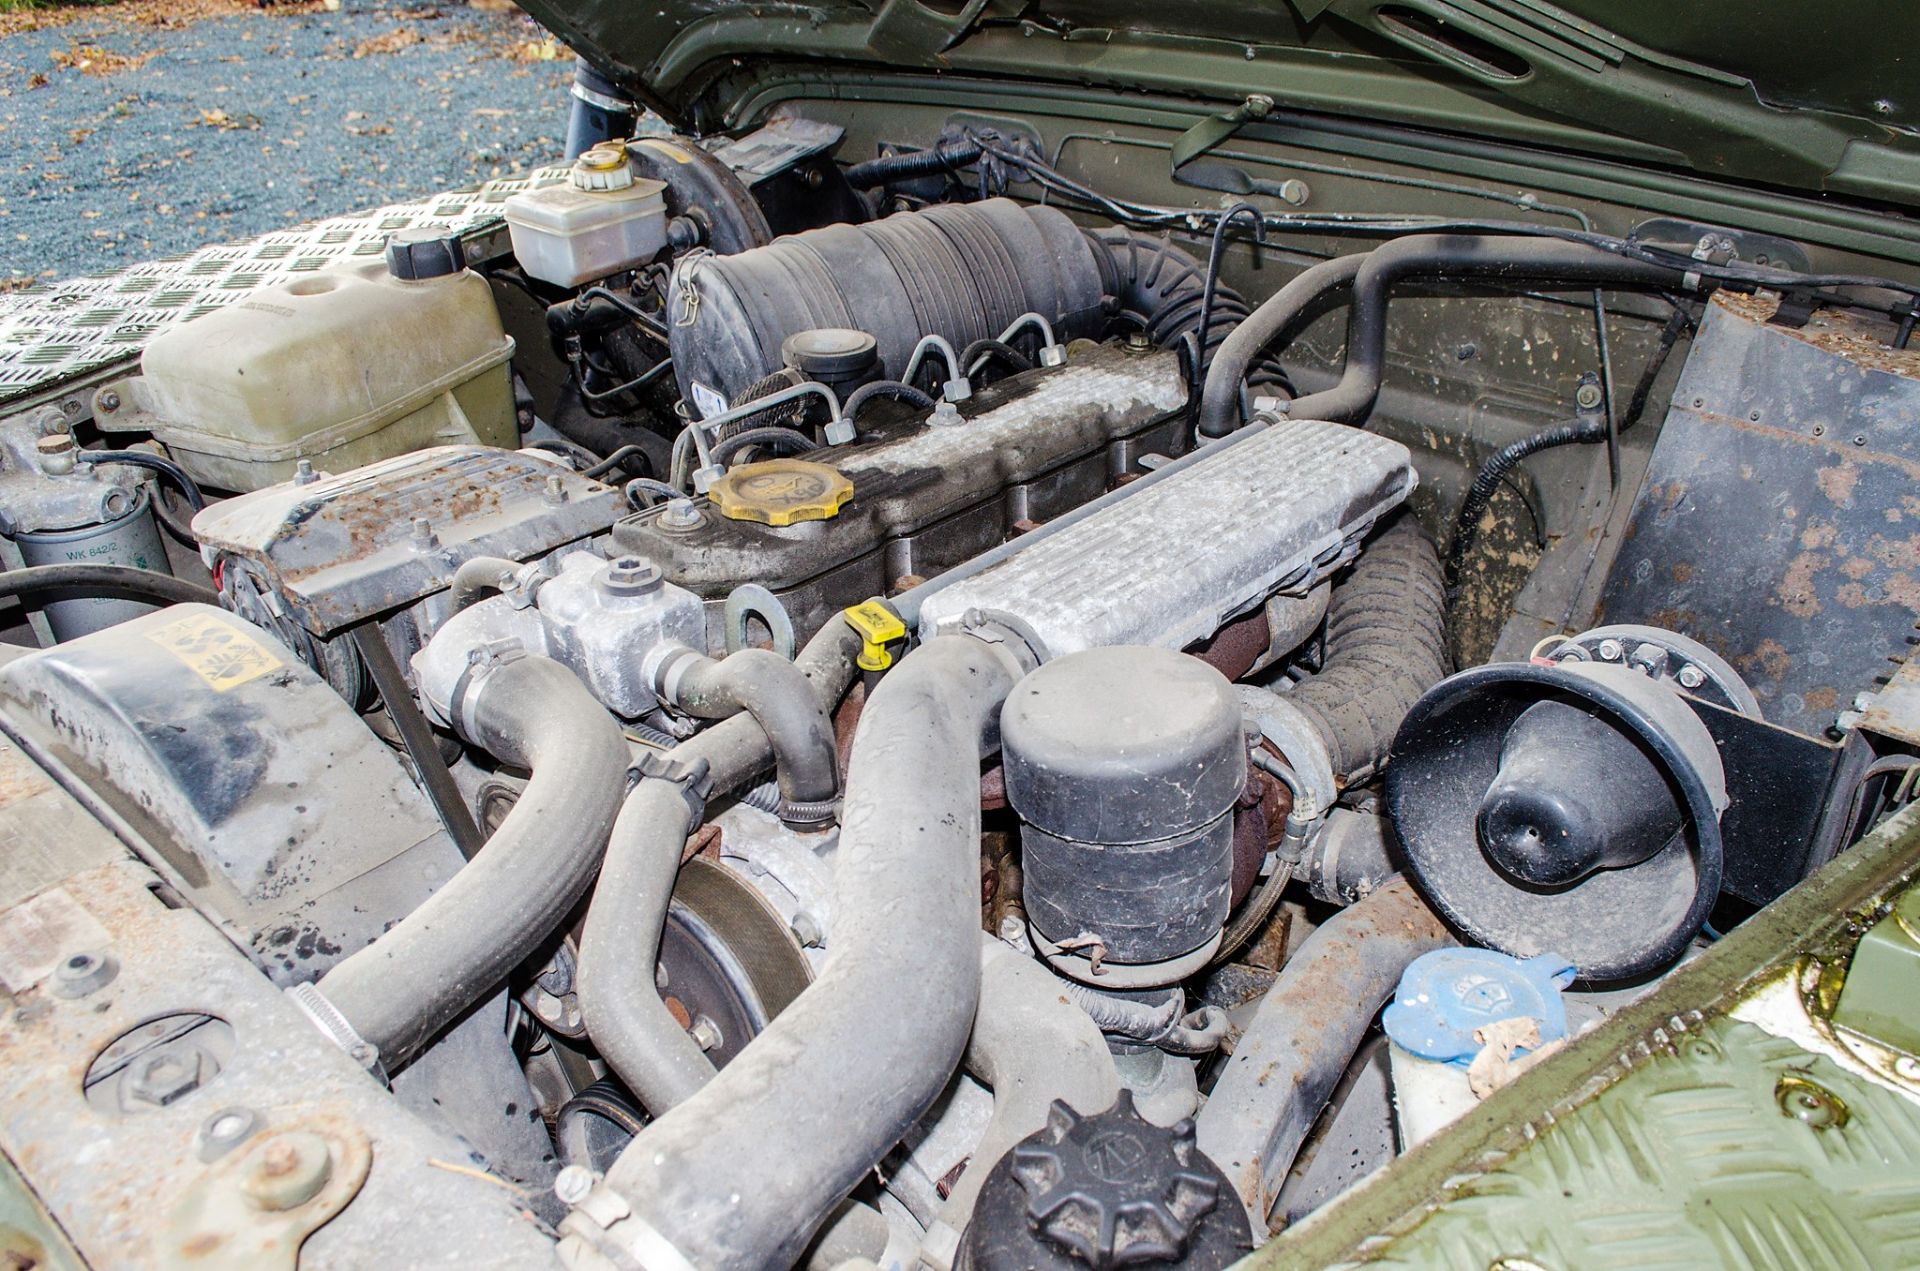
column 82, row 973
column 166, row 1076
column 226, row 1130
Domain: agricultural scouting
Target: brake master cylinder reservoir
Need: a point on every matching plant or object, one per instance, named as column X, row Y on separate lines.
column 601, row 220
column 1123, row 765
column 342, row 367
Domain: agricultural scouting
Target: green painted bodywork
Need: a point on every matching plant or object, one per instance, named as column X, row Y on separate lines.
column 1694, row 1128
column 1810, row 97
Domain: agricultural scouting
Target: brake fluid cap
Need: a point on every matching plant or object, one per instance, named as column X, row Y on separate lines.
column 1447, row 994
column 781, row 492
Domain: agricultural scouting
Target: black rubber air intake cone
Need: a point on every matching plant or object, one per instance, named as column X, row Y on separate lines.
column 963, row 271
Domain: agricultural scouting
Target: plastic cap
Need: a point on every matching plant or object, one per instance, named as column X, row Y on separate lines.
column 604, row 167
column 414, row 254
column 1447, row 994
column 780, row 492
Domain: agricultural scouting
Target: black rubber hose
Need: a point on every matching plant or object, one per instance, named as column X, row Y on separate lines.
column 1492, row 257
column 617, row 458
column 1013, row 359
column 604, row 434
column 782, row 439
column 1165, row 289
column 780, row 697
column 1386, row 645
column 154, row 463
column 947, row 156
column 787, row 414
column 884, row 388
column 1501, row 258
column 114, row 580
column 1244, row 345
column 1466, row 526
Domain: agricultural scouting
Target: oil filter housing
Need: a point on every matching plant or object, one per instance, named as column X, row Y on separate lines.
column 1124, row 764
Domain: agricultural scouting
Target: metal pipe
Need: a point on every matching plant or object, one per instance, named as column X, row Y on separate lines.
column 741, row 1174
column 461, row 942
column 1303, row 1035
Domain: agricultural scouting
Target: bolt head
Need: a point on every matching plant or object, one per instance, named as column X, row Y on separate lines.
column 303, row 473
column 286, row 1171
column 108, row 401
column 680, row 514
column 1587, row 397
column 1691, row 677
column 1609, row 650
column 1907, row 1068
column 573, row 1183
column 630, row 576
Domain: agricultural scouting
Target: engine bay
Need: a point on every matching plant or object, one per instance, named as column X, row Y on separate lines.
column 886, row 689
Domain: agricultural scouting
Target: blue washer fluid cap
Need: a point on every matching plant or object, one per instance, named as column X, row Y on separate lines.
column 1448, row 993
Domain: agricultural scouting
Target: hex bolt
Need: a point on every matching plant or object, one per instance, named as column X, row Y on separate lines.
column 556, row 491
column 629, row 576
column 1587, row 395
column 806, row 929
column 303, row 473
column 108, row 401
column 1137, row 342
column 82, row 973
column 286, row 1171
column 573, row 1183
column 1609, row 650
column 680, row 514
column 1691, row 677
column 705, row 1033
column 423, row 536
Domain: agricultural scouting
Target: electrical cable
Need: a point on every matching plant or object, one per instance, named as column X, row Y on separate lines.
column 142, row 459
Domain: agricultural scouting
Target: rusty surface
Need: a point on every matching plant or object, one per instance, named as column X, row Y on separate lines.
column 1234, row 648
column 345, row 548
column 110, row 1177
column 1779, row 522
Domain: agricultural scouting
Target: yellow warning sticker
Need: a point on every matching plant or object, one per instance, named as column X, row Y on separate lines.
column 222, row 654
column 668, row 149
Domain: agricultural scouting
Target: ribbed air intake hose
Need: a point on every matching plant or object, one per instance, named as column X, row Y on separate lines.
column 1386, row 645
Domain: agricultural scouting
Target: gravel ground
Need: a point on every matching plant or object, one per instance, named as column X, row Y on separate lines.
column 153, row 127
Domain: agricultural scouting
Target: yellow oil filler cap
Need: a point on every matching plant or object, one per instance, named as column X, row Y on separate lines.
column 780, row 492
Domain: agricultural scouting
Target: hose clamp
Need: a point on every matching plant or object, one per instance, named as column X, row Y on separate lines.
column 483, row 660
column 326, row 1017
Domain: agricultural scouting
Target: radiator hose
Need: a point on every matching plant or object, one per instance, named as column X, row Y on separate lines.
column 1499, row 258
column 461, row 942
column 741, row 1173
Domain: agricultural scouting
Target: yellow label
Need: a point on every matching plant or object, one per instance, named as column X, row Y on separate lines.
column 671, row 151
column 223, row 655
